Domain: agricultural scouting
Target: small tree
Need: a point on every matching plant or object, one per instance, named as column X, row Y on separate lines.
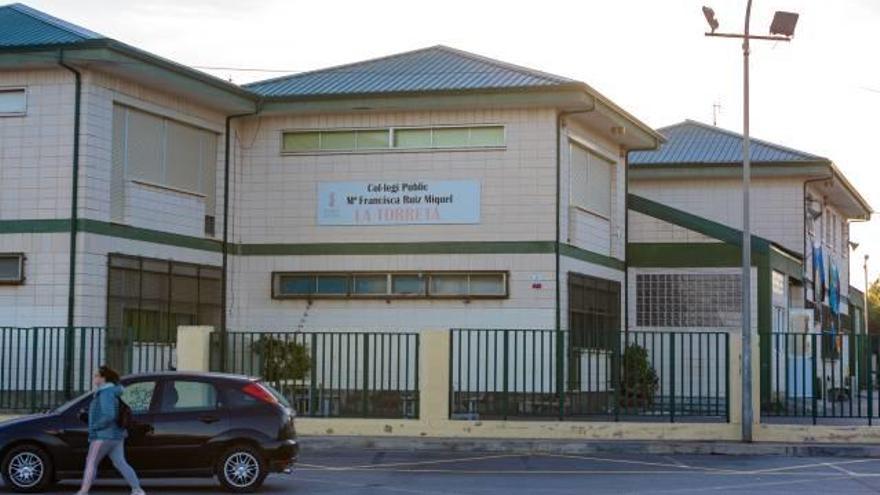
column 282, row 359
column 639, row 381
column 873, row 309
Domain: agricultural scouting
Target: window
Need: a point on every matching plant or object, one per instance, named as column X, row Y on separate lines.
column 13, row 101
column 594, row 311
column 11, row 268
column 462, row 285
column 688, row 300
column 590, row 181
column 184, row 396
column 163, row 152
column 393, row 138
column 150, row 298
column 139, row 396
column 370, row 284
column 408, row 285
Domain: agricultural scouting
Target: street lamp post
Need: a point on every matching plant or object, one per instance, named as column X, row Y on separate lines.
column 782, row 29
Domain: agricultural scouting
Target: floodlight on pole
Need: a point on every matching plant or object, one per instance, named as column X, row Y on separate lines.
column 784, row 23
column 710, row 18
column 782, row 29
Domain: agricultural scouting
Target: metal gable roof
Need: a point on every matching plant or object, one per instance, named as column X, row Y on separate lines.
column 437, row 68
column 692, row 142
column 21, row 25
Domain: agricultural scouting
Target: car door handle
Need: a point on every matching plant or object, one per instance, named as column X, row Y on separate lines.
column 209, row 419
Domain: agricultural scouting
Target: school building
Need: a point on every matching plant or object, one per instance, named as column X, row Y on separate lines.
column 429, row 189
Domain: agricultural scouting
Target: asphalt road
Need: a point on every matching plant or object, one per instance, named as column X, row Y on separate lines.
column 361, row 471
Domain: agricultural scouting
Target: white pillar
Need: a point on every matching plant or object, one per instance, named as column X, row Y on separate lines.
column 194, row 348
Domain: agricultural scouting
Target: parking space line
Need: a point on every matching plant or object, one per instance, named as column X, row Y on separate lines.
column 422, row 463
column 678, row 465
column 804, row 466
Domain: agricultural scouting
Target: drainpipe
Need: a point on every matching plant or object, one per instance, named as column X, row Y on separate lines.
column 225, row 246
column 804, row 231
column 74, row 207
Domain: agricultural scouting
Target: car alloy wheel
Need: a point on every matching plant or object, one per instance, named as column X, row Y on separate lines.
column 26, row 469
column 241, row 469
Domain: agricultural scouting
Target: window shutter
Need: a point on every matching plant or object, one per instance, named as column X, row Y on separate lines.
column 183, row 157
column 145, row 150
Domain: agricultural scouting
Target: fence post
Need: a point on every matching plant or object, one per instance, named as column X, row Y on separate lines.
column 33, row 386
column 814, row 366
column 672, row 377
column 506, row 385
column 365, row 393
column 194, row 348
column 313, row 376
column 560, row 372
column 869, row 379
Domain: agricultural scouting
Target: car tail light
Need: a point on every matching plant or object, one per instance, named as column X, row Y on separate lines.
column 260, row 393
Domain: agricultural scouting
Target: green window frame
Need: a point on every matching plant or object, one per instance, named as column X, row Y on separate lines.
column 393, row 138
column 390, row 285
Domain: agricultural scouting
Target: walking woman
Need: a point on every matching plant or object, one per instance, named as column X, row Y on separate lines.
column 106, row 437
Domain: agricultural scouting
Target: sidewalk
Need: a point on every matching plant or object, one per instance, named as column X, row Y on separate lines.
column 580, row 447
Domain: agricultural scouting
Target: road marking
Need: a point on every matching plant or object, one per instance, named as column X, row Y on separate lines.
column 678, row 472
column 422, row 463
column 679, row 464
column 804, row 466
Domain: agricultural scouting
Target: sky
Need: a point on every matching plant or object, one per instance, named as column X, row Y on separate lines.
column 820, row 93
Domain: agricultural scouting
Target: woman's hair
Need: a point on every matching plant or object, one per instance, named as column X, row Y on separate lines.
column 109, row 374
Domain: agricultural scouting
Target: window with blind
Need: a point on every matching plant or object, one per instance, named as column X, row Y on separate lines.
column 591, row 178
column 160, row 151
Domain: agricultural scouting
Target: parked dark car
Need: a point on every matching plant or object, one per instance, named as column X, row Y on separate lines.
column 185, row 425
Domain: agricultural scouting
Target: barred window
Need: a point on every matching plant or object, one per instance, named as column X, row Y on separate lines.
column 150, row 298
column 688, row 300
column 593, row 311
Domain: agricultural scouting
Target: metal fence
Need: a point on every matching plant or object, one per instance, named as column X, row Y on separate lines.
column 40, row 367
column 329, row 374
column 603, row 376
column 820, row 377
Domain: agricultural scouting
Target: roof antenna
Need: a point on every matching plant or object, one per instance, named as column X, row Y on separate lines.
column 716, row 109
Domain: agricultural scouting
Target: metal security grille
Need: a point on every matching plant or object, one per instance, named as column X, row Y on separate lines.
column 149, row 298
column 594, row 311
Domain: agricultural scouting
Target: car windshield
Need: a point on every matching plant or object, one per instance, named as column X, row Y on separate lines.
column 280, row 398
column 69, row 404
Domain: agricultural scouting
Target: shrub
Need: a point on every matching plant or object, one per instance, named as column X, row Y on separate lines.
column 282, row 359
column 639, row 381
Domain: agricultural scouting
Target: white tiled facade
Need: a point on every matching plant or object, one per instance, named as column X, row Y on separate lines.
column 273, row 201
column 777, row 214
column 36, row 153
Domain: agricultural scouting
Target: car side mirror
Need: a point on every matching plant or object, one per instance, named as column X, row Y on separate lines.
column 83, row 415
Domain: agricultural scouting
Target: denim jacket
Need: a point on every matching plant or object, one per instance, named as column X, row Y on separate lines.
column 102, row 414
